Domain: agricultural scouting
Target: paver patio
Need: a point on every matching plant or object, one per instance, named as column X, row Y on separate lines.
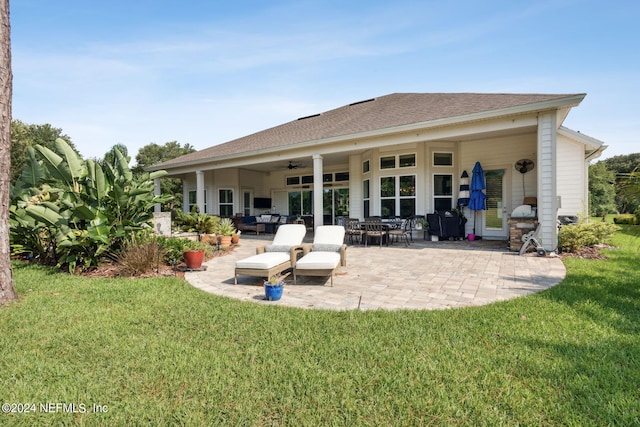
column 426, row 275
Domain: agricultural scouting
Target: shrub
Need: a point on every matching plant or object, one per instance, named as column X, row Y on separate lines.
column 193, row 221
column 626, row 219
column 137, row 259
column 575, row 236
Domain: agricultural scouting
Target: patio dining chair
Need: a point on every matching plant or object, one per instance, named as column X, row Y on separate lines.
column 325, row 255
column 377, row 230
column 353, row 230
column 275, row 258
column 402, row 232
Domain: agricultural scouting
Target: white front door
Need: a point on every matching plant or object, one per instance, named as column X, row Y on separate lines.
column 494, row 219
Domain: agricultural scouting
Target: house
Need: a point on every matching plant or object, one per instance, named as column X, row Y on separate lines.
column 399, row 155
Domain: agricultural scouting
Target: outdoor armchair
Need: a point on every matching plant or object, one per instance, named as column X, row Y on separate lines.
column 325, row 255
column 275, row 258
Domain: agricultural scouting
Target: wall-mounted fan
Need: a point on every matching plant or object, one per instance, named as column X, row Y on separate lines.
column 524, row 165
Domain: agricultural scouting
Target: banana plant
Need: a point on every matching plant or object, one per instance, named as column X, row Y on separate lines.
column 77, row 209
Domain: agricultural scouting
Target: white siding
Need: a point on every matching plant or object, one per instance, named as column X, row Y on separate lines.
column 547, row 203
column 570, row 177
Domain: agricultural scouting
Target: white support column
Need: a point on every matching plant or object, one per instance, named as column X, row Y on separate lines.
column 355, row 186
column 157, row 192
column 200, row 190
column 318, row 218
column 547, row 174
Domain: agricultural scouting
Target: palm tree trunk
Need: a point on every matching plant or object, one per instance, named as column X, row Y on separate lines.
column 7, row 291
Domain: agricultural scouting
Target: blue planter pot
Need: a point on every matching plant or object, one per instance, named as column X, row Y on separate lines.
column 273, row 292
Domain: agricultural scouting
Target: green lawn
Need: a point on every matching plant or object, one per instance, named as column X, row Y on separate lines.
column 156, row 351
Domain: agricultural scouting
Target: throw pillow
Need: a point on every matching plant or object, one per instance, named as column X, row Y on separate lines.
column 277, row 248
column 326, row 247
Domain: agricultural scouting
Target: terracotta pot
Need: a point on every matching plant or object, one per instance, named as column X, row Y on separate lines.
column 225, row 241
column 235, row 239
column 193, row 259
column 210, row 239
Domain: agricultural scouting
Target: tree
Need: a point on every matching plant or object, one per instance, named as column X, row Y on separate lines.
column 622, row 166
column 7, row 291
column 624, row 163
column 28, row 135
column 110, row 157
column 629, row 190
column 152, row 154
column 602, row 190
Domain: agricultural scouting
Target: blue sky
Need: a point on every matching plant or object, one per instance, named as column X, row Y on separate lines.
column 204, row 72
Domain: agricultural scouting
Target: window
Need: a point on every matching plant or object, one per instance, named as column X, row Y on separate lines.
column 442, row 192
column 365, row 166
column 246, row 203
column 366, row 198
column 407, row 160
column 388, row 162
column 225, row 202
column 327, row 177
column 442, row 159
column 300, row 202
column 193, row 201
column 342, row 176
column 402, row 161
column 398, row 196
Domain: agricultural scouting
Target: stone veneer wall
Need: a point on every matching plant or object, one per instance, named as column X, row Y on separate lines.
column 518, row 227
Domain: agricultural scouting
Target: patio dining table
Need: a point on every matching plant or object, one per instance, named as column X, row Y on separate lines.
column 385, row 225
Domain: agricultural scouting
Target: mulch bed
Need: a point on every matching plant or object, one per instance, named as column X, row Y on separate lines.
column 112, row 270
column 588, row 252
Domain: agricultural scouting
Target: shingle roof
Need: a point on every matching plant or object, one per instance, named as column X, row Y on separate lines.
column 384, row 112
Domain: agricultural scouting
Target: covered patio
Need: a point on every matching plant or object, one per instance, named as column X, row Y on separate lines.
column 424, row 276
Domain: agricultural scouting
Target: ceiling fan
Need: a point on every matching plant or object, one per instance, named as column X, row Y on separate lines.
column 292, row 165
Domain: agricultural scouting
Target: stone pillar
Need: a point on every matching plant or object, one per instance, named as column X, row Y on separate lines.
column 162, row 223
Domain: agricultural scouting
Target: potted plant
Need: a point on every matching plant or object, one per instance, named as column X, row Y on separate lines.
column 225, row 230
column 274, row 286
column 235, row 238
column 193, row 254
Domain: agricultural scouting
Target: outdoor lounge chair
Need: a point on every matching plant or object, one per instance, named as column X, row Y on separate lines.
column 323, row 257
column 275, row 258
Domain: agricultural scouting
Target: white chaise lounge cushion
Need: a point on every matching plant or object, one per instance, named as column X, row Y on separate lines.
column 263, row 261
column 319, row 261
column 329, row 234
column 289, row 235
